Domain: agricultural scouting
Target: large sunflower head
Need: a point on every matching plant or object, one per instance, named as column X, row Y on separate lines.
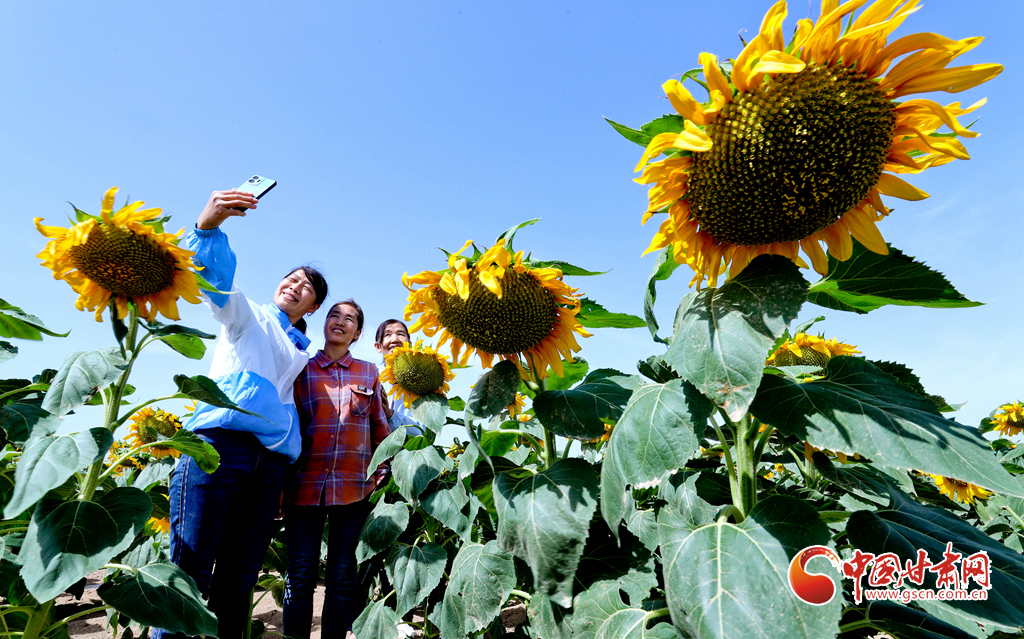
column 497, row 305
column 123, row 255
column 415, row 371
column 1009, row 419
column 799, row 140
column 809, row 350
column 962, row 491
column 149, row 426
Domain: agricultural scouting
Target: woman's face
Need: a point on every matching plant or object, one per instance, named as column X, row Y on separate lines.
column 342, row 326
column 394, row 336
column 296, row 296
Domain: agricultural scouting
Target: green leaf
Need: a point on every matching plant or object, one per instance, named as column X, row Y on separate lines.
column 659, row 432
column 494, row 391
column 22, row 421
column 7, row 351
column 431, row 411
column 643, row 137
column 67, row 541
column 481, row 579
column 907, row 526
column 593, row 315
column 206, row 456
column 582, row 412
column 616, row 498
column 900, row 621
column 511, row 232
column 414, row 571
column 566, row 268
column 634, row 136
column 656, row 369
column 456, row 404
column 725, row 580
column 855, row 408
column 415, row 469
column 444, row 502
column 188, row 345
column 160, row 595
column 544, row 519
column 82, row 375
column 204, row 389
column 664, row 266
column 209, row 288
column 681, row 493
column 548, row 621
column 600, row 612
column 15, row 322
column 381, row 529
column 160, row 330
column 386, row 450
column 868, row 281
column 155, row 471
column 49, row 461
column 377, row 621
column 722, row 336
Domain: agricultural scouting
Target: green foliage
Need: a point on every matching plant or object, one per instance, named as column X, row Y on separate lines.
column 868, row 281
column 163, row 596
column 495, row 390
column 204, row 389
column 381, row 529
column 722, row 336
column 81, row 376
column 430, row 410
column 582, row 412
column 664, row 266
column 593, row 315
column 49, row 461
column 480, row 581
column 415, row 571
column 16, row 323
column 206, row 456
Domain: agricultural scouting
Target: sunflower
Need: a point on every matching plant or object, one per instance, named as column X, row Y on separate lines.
column 117, row 449
column 515, row 409
column 124, row 256
column 416, row 370
column 166, row 424
column 498, row 306
column 799, row 140
column 1009, row 420
column 157, row 524
column 962, row 491
column 608, row 428
column 809, row 350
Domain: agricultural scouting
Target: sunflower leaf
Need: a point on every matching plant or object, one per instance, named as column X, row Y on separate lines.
column 158, row 329
column 868, row 281
column 68, row 540
column 511, row 232
column 15, row 322
column 855, row 408
column 637, row 137
column 593, row 315
column 82, row 375
column 204, row 389
column 431, row 411
column 21, row 421
column 723, row 335
column 583, row 411
column 544, row 519
column 415, row 571
column 160, row 595
column 750, row 562
column 413, row 470
column 906, row 526
column 898, row 620
column 386, row 450
column 188, row 345
column 664, row 266
column 456, row 404
column 209, row 288
column 481, row 579
column 377, row 620
column 445, row 502
column 7, row 351
column 566, row 268
column 206, row 456
column 48, row 462
column 382, row 528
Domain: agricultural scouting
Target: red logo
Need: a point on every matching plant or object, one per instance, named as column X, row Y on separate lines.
column 813, row 588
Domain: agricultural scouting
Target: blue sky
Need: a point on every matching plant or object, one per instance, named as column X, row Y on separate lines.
column 394, row 128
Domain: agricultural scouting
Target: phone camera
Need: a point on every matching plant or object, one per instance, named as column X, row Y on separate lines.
column 254, row 179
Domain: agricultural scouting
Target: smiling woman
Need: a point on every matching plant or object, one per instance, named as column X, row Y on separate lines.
column 260, row 353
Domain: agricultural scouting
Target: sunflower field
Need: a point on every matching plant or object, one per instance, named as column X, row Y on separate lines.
column 689, row 498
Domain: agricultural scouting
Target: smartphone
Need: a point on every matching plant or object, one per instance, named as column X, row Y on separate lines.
column 258, row 186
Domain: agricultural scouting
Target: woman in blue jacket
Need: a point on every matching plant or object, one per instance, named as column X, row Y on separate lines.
column 227, row 517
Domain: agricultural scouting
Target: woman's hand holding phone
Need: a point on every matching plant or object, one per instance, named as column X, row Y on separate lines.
column 225, row 204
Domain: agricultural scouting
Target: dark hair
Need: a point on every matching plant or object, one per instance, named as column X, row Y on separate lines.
column 359, row 311
column 319, row 282
column 384, row 325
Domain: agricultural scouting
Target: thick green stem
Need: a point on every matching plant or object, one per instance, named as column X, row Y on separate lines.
column 745, row 495
column 92, row 479
column 729, row 465
column 659, row 612
column 549, row 454
column 38, row 622
column 77, row 615
column 520, row 594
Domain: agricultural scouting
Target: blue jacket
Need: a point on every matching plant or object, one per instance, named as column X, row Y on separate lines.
column 258, row 356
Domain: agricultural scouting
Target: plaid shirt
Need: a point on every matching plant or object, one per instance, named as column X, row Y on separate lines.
column 342, row 421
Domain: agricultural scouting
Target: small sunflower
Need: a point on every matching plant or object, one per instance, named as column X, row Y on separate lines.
column 798, row 141
column 809, row 350
column 166, row 424
column 498, row 306
column 415, row 371
column 1009, row 420
column 515, row 409
column 118, row 448
column 605, row 436
column 962, row 491
column 122, row 256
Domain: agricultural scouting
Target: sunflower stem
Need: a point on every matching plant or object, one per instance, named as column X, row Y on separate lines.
column 134, row 409
column 729, row 466
column 122, row 458
column 746, row 465
column 110, row 422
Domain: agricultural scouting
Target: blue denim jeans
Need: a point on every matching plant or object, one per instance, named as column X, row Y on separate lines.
column 345, row 598
column 225, row 519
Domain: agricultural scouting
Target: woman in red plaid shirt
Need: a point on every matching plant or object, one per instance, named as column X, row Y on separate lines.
column 341, row 414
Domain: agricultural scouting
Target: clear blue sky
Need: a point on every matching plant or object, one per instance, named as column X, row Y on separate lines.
column 393, row 128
